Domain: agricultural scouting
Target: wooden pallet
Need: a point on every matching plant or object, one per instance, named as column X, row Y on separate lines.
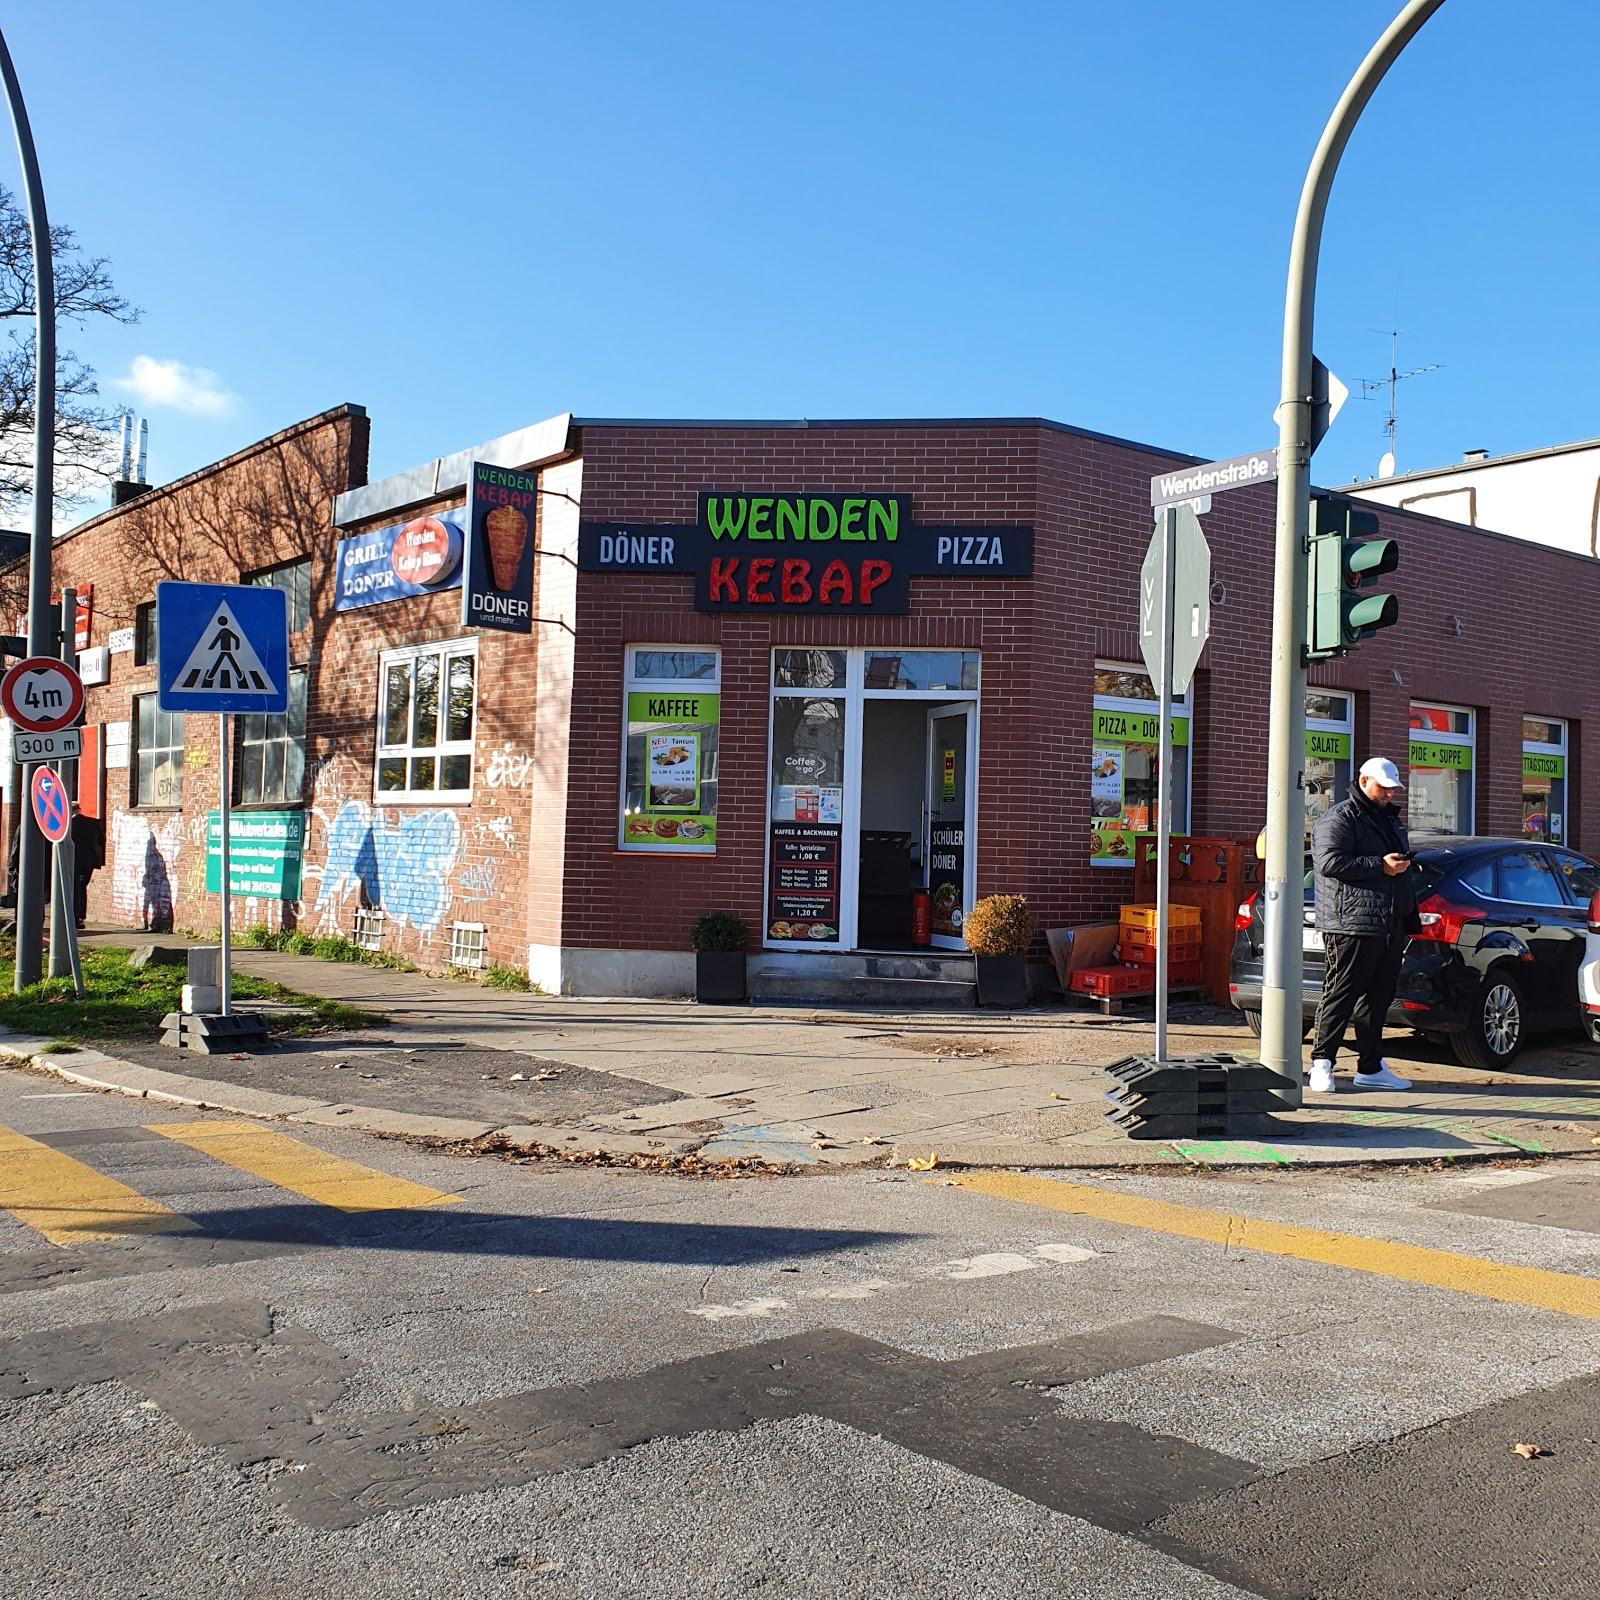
column 1118, row 1005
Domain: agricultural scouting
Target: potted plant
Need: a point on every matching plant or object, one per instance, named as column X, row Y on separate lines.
column 998, row 931
column 718, row 939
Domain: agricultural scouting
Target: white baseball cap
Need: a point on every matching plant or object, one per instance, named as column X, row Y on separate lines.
column 1382, row 771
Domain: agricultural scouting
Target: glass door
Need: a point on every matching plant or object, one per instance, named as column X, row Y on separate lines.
column 949, row 847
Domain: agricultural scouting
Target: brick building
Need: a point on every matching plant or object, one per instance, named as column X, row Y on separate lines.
column 788, row 670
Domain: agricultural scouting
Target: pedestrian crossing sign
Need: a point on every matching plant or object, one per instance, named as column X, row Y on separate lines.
column 222, row 647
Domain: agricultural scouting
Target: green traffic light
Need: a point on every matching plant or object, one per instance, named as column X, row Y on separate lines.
column 1344, row 557
column 1369, row 557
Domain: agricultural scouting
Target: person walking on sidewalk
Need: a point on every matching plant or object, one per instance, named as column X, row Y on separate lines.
column 1366, row 908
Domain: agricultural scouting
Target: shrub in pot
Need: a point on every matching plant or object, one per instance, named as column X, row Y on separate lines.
column 718, row 939
column 998, row 931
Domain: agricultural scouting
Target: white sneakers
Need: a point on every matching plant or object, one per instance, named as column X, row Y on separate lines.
column 1384, row 1078
column 1322, row 1079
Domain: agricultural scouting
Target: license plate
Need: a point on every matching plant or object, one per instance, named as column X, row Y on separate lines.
column 1313, row 940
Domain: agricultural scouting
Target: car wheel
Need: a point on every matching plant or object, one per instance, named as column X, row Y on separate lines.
column 1252, row 1020
column 1495, row 1026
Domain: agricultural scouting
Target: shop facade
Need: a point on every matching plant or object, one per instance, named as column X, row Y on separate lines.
column 797, row 672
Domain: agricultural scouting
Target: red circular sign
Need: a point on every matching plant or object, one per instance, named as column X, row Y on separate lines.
column 423, row 552
column 50, row 808
column 42, row 694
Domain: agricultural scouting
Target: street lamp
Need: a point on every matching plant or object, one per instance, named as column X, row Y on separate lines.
column 31, row 865
column 1281, row 998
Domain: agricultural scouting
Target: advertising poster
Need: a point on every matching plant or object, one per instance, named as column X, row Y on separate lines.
column 501, row 507
column 1105, row 782
column 947, row 875
column 422, row 556
column 264, row 850
column 803, row 881
column 673, row 780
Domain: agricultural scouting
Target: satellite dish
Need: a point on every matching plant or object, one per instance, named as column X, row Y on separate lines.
column 1386, row 464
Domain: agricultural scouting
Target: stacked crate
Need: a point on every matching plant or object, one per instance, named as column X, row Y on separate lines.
column 1135, row 973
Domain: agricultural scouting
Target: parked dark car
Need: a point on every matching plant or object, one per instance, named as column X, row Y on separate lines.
column 1503, row 933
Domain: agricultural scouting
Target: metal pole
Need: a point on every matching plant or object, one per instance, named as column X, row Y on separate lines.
column 1169, row 589
column 63, row 920
column 31, row 863
column 227, row 903
column 1281, row 997
column 63, row 889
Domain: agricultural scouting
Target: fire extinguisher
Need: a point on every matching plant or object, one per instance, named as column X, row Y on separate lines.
column 921, row 917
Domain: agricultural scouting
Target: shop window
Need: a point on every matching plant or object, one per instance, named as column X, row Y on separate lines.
column 144, row 634
column 270, row 762
column 672, row 715
column 1125, row 763
column 1439, row 799
column 809, row 669
column 426, row 711
column 294, row 578
column 1544, row 780
column 1330, row 738
column 923, row 671
column 468, row 945
column 158, row 754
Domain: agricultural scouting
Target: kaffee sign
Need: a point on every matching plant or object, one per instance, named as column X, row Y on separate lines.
column 805, row 552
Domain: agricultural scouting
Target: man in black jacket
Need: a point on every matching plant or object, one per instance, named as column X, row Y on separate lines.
column 1366, row 908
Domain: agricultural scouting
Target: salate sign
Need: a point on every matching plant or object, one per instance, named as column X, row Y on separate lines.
column 805, row 552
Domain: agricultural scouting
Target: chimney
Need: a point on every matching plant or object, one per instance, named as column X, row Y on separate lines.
column 1475, row 455
column 144, row 448
column 131, row 484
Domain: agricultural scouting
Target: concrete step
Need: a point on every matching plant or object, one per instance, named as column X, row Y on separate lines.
column 897, row 994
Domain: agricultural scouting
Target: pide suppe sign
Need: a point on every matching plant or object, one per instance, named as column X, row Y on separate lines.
column 805, row 552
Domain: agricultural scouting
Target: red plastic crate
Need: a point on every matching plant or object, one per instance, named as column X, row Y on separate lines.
column 1139, row 944
column 1106, row 983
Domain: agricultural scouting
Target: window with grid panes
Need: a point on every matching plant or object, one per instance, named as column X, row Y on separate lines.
column 270, row 761
column 158, row 754
column 294, row 578
column 426, row 713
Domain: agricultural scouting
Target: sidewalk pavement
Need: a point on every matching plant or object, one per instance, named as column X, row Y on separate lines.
column 810, row 1088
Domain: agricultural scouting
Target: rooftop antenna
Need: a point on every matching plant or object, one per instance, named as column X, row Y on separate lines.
column 1370, row 386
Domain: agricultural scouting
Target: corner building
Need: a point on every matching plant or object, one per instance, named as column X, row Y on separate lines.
column 794, row 671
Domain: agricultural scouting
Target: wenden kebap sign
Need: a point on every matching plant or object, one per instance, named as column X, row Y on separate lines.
column 1212, row 477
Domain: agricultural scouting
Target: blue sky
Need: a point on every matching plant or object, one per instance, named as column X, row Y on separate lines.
column 468, row 217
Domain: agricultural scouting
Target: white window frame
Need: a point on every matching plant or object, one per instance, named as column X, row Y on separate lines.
column 635, row 683
column 138, row 749
column 368, row 928
column 286, row 738
column 445, row 649
column 1334, row 725
column 1468, row 739
column 854, row 695
column 1534, row 747
column 470, row 954
column 1182, row 706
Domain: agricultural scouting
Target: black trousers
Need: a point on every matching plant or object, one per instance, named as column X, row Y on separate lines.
column 1358, row 985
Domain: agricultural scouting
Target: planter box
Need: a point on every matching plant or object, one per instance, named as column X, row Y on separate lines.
column 719, row 977
column 1003, row 981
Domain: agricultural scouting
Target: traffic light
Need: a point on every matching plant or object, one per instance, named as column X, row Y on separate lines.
column 1344, row 559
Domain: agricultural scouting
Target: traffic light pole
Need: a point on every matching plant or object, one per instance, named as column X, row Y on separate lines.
column 1281, row 998
column 31, row 862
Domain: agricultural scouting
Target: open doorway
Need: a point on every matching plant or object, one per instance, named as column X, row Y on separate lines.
column 914, row 833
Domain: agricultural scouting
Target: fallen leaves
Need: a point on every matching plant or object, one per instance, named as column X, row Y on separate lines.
column 1529, row 1452
column 923, row 1163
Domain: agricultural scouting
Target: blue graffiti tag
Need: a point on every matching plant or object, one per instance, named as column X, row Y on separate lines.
column 402, row 868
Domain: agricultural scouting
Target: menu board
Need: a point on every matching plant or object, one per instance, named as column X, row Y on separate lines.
column 803, row 881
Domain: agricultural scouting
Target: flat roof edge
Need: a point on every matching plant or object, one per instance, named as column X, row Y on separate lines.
column 1424, row 474
column 536, row 445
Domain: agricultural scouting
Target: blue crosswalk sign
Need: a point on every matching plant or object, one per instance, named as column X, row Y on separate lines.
column 222, row 647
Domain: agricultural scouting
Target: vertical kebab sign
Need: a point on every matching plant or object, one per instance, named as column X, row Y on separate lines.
column 498, row 591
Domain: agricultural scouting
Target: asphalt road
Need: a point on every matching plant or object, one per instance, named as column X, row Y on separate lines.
column 236, row 1361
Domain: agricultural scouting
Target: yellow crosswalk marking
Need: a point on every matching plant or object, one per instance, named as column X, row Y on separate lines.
column 1566, row 1292
column 70, row 1203
column 302, row 1168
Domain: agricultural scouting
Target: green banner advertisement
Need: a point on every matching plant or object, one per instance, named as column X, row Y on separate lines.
column 1327, row 746
column 264, row 851
column 1535, row 764
column 1448, row 757
column 1135, row 727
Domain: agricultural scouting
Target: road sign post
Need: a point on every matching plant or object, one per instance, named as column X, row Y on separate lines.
column 222, row 648
column 63, row 907
column 1174, row 624
column 51, row 809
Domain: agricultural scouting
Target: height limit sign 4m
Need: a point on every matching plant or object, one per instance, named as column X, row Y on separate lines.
column 41, row 694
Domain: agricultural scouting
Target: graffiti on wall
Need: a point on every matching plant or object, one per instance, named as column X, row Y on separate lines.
column 402, row 866
column 477, row 882
column 145, row 852
column 508, row 767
